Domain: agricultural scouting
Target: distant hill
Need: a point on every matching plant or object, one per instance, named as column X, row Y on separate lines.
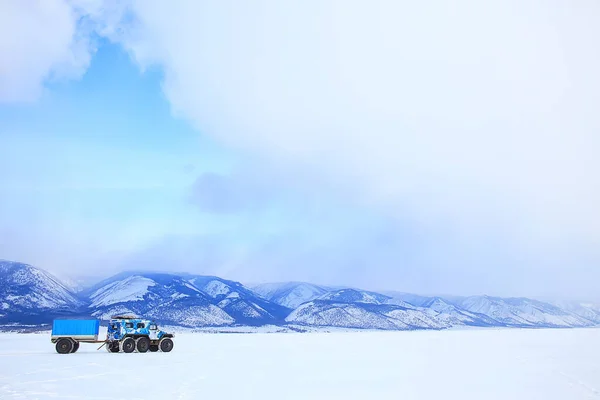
column 290, row 294
column 30, row 296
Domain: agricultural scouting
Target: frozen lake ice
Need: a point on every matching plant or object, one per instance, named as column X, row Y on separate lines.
column 456, row 364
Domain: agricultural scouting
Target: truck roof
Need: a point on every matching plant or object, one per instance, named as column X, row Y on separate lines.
column 125, row 317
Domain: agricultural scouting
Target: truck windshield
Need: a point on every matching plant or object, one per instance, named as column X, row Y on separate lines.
column 153, row 327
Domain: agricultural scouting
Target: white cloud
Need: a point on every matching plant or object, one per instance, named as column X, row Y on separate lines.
column 39, row 41
column 475, row 119
column 478, row 114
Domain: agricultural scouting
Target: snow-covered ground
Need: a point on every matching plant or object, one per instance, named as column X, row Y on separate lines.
column 465, row 364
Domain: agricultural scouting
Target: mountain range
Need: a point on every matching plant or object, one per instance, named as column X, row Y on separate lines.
column 30, row 296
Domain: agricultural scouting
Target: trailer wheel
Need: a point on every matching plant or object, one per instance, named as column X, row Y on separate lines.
column 143, row 344
column 64, row 346
column 128, row 345
column 153, row 348
column 75, row 347
column 166, row 345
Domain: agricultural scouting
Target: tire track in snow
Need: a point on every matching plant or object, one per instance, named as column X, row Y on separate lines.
column 573, row 380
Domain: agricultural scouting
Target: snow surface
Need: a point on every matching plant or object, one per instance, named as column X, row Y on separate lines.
column 491, row 364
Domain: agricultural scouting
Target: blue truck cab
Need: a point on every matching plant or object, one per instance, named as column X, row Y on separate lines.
column 130, row 333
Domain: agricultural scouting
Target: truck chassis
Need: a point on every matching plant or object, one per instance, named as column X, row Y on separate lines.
column 129, row 344
column 140, row 344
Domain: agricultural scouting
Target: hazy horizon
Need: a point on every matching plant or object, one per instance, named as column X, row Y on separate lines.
column 424, row 148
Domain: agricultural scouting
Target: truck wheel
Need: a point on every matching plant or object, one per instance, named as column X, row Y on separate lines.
column 75, row 347
column 128, row 345
column 143, row 344
column 153, row 348
column 166, row 345
column 64, row 346
column 112, row 347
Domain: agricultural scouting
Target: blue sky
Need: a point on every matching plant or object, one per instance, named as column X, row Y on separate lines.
column 99, row 172
column 97, row 155
column 381, row 145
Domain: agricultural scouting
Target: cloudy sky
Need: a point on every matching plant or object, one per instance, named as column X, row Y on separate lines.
column 433, row 147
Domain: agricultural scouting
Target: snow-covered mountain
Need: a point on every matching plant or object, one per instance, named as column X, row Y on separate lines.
column 164, row 297
column 496, row 311
column 241, row 303
column 451, row 315
column 290, row 294
column 31, row 294
column 355, row 296
column 362, row 315
column 352, row 308
column 589, row 311
column 522, row 312
column 189, row 300
column 409, row 298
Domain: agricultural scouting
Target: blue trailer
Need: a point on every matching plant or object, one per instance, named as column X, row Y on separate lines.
column 68, row 333
column 125, row 334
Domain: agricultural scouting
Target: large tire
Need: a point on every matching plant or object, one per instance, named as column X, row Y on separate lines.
column 128, row 345
column 166, row 345
column 112, row 347
column 143, row 344
column 153, row 348
column 64, row 346
column 75, row 347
